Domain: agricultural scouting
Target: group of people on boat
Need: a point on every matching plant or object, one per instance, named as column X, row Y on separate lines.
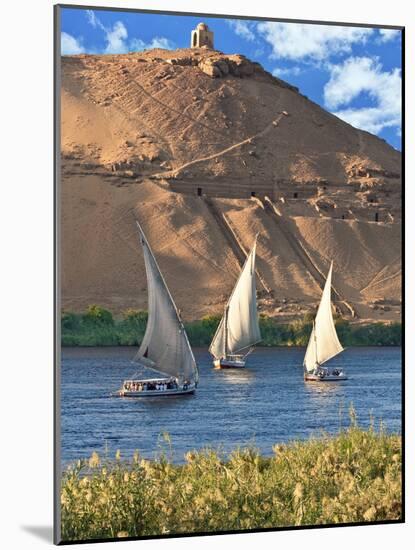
column 322, row 372
column 171, row 384
column 151, row 385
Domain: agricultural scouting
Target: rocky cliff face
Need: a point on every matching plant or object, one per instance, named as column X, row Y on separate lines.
column 206, row 150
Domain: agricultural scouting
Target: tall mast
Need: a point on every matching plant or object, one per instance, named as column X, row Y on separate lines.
column 315, row 340
column 225, row 324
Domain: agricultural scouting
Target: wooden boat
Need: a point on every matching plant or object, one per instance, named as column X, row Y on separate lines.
column 238, row 331
column 324, row 343
column 165, row 348
column 155, row 387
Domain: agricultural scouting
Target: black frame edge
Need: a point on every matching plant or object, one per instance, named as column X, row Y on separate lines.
column 56, row 274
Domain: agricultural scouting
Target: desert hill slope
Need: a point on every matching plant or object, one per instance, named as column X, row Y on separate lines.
column 206, row 150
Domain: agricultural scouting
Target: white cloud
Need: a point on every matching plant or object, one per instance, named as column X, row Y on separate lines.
column 161, row 42
column 136, row 44
column 116, row 38
column 259, row 52
column 281, row 72
column 93, row 20
column 70, row 45
column 241, row 28
column 313, row 42
column 371, row 119
column 359, row 75
column 386, row 35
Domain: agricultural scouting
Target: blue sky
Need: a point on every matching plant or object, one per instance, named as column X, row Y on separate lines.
column 353, row 72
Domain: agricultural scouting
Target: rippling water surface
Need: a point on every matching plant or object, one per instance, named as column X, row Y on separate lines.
column 266, row 403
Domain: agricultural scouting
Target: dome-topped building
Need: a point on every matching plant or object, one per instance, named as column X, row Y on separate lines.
column 202, row 37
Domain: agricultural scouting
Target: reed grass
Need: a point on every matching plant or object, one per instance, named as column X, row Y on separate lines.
column 352, row 477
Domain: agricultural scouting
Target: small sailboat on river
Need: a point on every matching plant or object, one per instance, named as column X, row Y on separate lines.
column 165, row 349
column 324, row 343
column 238, row 331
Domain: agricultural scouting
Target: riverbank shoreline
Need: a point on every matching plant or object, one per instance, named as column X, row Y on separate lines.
column 203, row 348
column 97, row 327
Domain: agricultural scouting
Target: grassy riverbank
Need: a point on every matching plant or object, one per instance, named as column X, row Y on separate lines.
column 353, row 477
column 97, row 327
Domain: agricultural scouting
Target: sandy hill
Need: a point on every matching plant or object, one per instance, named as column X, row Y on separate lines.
column 206, row 150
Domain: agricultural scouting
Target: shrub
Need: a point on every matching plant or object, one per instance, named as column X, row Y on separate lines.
column 135, row 318
column 70, row 321
column 210, row 323
column 98, row 316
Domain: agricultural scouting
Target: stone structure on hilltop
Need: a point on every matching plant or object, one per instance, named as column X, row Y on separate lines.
column 202, row 36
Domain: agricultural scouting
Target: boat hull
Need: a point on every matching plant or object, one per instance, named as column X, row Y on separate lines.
column 228, row 364
column 155, row 393
column 326, row 378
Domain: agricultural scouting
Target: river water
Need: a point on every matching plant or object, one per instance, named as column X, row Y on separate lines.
column 264, row 404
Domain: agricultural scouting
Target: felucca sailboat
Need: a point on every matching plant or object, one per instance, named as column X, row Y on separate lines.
column 324, row 343
column 238, row 331
column 165, row 348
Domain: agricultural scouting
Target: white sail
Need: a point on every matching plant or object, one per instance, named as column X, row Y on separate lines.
column 239, row 328
column 324, row 343
column 165, row 346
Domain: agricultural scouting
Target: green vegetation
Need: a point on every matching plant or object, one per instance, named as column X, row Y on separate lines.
column 97, row 327
column 353, row 477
